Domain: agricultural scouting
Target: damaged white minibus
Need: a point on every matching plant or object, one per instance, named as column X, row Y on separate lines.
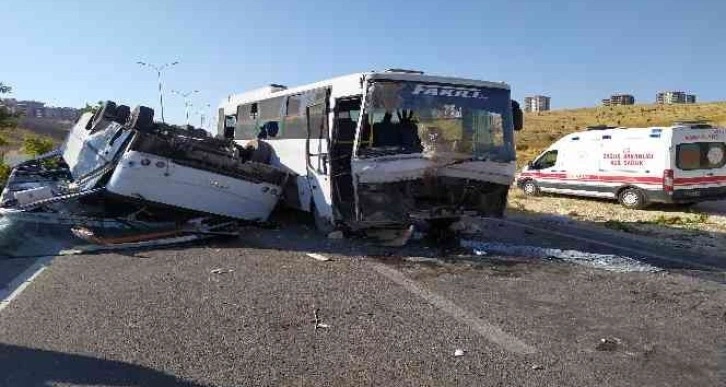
column 383, row 149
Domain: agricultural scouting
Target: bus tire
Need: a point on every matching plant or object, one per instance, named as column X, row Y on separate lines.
column 323, row 225
column 123, row 112
column 632, row 198
column 142, row 119
column 530, row 188
column 107, row 112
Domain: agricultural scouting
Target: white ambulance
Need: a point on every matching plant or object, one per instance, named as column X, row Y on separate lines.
column 684, row 163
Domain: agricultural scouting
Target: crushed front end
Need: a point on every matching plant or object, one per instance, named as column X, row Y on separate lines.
column 432, row 152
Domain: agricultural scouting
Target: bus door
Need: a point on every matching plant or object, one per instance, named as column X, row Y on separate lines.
column 347, row 112
column 318, row 158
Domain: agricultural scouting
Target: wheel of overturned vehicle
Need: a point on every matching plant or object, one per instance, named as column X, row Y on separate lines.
column 323, row 225
column 261, row 151
column 123, row 112
column 530, row 188
column 107, row 111
column 632, row 198
column 142, row 118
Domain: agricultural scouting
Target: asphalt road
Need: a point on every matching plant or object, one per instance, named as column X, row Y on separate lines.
column 162, row 317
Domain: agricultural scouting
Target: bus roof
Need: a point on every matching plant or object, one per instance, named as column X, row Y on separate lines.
column 348, row 85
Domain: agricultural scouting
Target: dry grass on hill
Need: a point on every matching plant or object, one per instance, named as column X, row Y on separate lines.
column 542, row 129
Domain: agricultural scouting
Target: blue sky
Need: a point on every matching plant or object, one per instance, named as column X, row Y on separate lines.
column 72, row 51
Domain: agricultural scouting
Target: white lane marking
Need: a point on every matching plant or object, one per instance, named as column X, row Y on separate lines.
column 488, row 331
column 21, row 281
column 612, row 245
column 318, row 257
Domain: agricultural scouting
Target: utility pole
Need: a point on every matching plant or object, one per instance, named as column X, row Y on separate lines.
column 187, row 102
column 158, row 70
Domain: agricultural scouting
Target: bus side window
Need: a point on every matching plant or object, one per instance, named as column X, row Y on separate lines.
column 270, row 116
column 295, row 122
column 246, row 125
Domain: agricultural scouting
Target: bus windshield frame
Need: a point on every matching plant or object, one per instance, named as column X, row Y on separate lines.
column 418, row 117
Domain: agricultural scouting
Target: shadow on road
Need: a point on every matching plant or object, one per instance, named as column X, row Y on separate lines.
column 21, row 366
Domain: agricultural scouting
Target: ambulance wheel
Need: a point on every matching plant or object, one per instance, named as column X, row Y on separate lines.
column 632, row 198
column 530, row 188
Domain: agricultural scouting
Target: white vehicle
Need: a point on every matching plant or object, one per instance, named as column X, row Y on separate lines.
column 382, row 149
column 684, row 163
column 117, row 163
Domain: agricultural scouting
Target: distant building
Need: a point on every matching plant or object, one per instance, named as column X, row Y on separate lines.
column 35, row 109
column 536, row 103
column 619, row 99
column 671, row 97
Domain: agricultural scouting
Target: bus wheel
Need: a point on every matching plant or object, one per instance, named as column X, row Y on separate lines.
column 530, row 188
column 107, row 111
column 122, row 114
column 632, row 198
column 323, row 225
column 142, row 118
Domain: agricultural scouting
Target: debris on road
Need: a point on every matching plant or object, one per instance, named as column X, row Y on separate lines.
column 608, row 344
column 318, row 324
column 221, row 271
column 391, row 237
column 608, row 262
column 424, row 260
column 318, row 257
column 175, row 240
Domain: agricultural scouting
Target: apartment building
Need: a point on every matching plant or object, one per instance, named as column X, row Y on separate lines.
column 671, row 97
column 618, row 99
column 537, row 103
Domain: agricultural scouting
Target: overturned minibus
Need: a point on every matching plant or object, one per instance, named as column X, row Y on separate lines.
column 383, row 149
column 120, row 164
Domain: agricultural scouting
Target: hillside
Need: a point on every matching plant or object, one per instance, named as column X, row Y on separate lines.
column 541, row 129
column 53, row 129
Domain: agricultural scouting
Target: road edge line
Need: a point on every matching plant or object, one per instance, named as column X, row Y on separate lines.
column 18, row 284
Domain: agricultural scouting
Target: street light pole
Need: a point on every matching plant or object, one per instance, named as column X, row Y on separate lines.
column 187, row 102
column 158, row 70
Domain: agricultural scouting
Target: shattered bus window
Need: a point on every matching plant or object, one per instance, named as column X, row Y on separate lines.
column 405, row 117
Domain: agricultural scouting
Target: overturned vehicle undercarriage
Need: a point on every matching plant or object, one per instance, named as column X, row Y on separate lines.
column 119, row 168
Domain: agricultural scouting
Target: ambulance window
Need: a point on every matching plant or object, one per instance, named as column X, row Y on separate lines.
column 547, row 160
column 701, row 155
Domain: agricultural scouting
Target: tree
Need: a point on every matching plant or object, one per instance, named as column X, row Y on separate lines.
column 6, row 118
column 91, row 108
column 35, row 145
